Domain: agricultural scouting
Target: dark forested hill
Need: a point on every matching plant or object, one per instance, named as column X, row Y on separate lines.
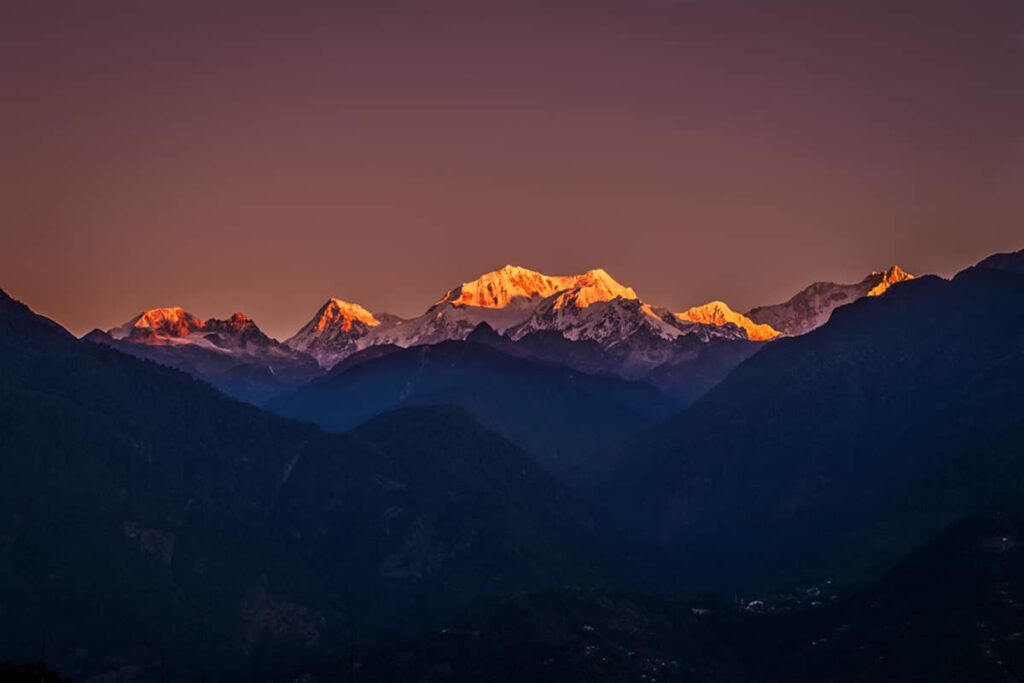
column 813, row 436
column 557, row 414
column 551, row 636
column 949, row 612
column 149, row 523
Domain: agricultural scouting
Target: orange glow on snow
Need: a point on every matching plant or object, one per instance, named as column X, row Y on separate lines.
column 503, row 287
column 336, row 312
column 889, row 278
column 718, row 313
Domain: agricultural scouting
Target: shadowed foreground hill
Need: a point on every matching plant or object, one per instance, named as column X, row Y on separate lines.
column 557, row 414
column 777, row 468
column 32, row 672
column 150, row 524
column 552, row 636
column 949, row 612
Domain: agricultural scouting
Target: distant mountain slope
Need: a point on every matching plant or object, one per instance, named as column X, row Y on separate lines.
column 234, row 354
column 799, row 445
column 699, row 366
column 150, row 525
column 811, row 307
column 694, row 366
column 555, row 413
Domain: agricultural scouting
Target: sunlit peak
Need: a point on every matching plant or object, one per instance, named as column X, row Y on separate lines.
column 340, row 313
column 511, row 284
column 887, row 279
column 172, row 321
column 718, row 313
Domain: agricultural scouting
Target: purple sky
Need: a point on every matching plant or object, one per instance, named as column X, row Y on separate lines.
column 264, row 156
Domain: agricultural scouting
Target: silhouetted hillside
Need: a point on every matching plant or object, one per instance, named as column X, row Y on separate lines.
column 556, row 414
column 804, row 443
column 150, row 524
column 948, row 612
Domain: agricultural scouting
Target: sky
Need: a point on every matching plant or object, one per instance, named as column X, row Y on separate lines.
column 263, row 157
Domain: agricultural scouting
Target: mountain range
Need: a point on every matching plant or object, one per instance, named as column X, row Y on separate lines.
column 589, row 322
column 816, row 441
column 811, row 307
column 530, row 355
column 592, row 306
column 233, row 355
column 836, row 505
column 152, row 527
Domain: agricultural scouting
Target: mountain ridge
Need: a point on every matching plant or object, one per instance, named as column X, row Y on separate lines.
column 233, row 354
column 555, row 413
column 149, row 521
column 811, row 307
column 718, row 313
column 517, row 301
column 883, row 393
column 588, row 321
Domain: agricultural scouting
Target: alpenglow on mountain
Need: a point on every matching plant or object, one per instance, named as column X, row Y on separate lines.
column 811, row 307
column 516, row 302
column 333, row 333
column 719, row 313
column 234, row 355
column 588, row 321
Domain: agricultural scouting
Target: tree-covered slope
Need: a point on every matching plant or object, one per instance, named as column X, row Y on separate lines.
column 556, row 414
column 948, row 612
column 803, row 442
column 150, row 524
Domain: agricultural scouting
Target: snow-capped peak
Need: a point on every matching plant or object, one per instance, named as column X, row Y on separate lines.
column 887, row 279
column 516, row 301
column 719, row 314
column 237, row 321
column 517, row 287
column 332, row 333
column 506, row 286
column 170, row 322
column 592, row 287
column 339, row 313
column 175, row 327
column 811, row 307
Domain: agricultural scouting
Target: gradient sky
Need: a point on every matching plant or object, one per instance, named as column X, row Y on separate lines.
column 263, row 156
